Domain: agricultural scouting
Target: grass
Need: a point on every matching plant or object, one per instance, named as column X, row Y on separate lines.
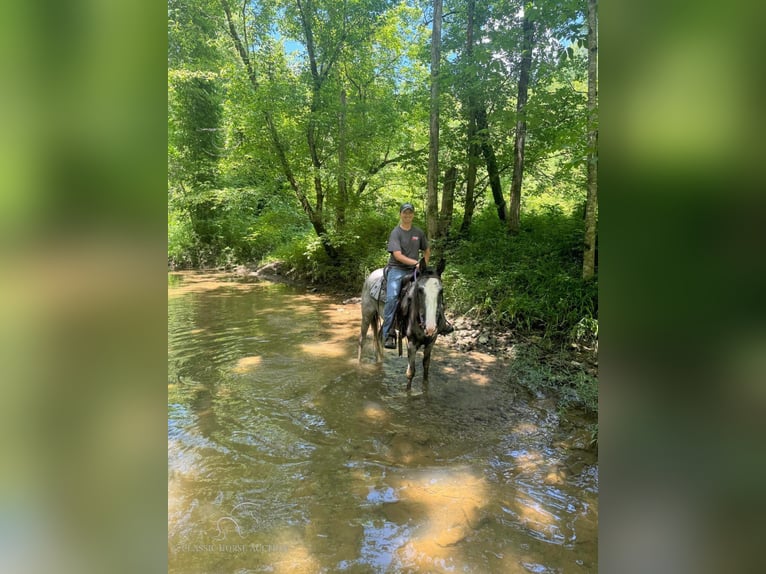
column 529, row 282
column 558, row 374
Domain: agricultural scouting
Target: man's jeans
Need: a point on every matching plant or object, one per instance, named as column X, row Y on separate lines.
column 395, row 276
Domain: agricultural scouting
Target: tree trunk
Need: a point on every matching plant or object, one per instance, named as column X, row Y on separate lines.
column 493, row 172
column 340, row 208
column 591, row 205
column 470, row 179
column 521, row 124
column 311, row 132
column 448, row 200
column 478, row 135
column 432, row 199
column 473, row 146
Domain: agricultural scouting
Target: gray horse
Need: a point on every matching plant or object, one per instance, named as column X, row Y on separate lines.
column 420, row 305
column 373, row 302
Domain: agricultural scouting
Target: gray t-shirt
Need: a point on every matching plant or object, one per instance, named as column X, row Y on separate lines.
column 410, row 243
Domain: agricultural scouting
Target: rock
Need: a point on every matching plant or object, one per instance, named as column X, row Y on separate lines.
column 274, row 268
column 554, row 477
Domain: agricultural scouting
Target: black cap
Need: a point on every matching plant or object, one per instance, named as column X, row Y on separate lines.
column 406, row 206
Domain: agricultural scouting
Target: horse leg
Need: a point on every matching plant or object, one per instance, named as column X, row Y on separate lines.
column 378, row 346
column 411, row 352
column 362, row 335
column 427, row 361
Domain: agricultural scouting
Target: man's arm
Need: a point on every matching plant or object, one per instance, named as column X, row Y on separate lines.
column 427, row 254
column 402, row 258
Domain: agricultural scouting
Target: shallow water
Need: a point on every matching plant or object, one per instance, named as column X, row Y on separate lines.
column 285, row 455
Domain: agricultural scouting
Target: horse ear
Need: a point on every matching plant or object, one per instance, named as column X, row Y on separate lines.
column 422, row 265
column 440, row 266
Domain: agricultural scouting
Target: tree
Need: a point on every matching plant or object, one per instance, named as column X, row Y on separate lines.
column 192, row 27
column 194, row 118
column 493, row 170
column 478, row 84
column 195, row 115
column 314, row 212
column 333, row 108
column 471, row 106
column 521, row 120
column 331, row 105
column 448, row 202
column 591, row 205
column 432, row 200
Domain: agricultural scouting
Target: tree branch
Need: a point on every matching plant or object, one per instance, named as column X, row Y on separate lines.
column 244, row 26
column 386, row 161
column 238, row 43
column 307, row 31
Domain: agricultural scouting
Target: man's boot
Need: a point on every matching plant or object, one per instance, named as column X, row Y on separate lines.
column 390, row 340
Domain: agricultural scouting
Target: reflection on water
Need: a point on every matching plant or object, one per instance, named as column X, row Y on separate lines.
column 284, row 455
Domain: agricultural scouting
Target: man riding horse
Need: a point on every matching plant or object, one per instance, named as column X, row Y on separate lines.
column 404, row 244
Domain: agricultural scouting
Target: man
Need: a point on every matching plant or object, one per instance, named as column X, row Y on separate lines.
column 404, row 244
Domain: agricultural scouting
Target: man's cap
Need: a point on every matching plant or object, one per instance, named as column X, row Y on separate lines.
column 406, row 206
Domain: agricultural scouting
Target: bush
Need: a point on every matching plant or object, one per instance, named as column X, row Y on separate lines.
column 225, row 227
column 181, row 241
column 528, row 282
column 361, row 247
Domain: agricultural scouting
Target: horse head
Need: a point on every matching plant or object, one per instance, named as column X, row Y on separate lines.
column 427, row 296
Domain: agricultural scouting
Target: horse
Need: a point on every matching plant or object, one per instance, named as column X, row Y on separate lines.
column 373, row 302
column 417, row 313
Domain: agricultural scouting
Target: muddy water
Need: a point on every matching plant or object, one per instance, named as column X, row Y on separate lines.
column 286, row 456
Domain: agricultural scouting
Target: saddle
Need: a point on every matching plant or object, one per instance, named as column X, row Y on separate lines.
column 378, row 289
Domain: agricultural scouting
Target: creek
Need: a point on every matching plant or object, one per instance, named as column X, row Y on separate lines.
column 286, row 455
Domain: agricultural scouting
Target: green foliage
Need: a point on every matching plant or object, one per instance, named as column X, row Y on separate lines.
column 241, row 226
column 585, row 332
column 182, row 241
column 573, row 386
column 369, row 100
column 528, row 282
column 362, row 247
column 194, row 117
column 192, row 27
